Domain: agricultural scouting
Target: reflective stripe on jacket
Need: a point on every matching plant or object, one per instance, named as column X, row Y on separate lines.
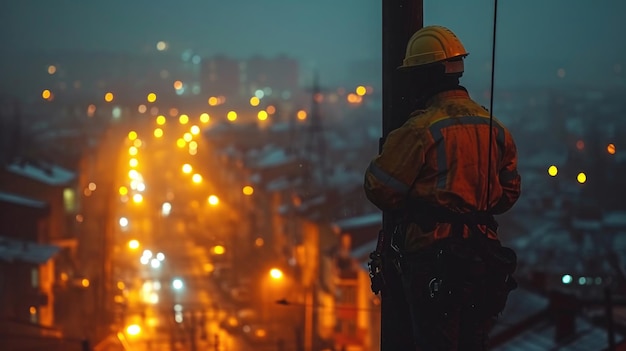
column 446, row 147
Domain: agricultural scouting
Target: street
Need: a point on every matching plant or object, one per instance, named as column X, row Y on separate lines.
column 164, row 253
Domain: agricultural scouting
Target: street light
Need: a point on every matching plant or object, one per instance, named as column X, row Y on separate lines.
column 133, row 329
column 133, row 244
column 177, row 284
column 276, row 274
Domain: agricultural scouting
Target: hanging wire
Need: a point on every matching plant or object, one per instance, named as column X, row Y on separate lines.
column 493, row 69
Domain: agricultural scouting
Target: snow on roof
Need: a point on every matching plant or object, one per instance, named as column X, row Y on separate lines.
column 21, row 200
column 615, row 219
column 273, row 157
column 279, row 127
column 543, row 160
column 360, row 221
column 281, row 183
column 541, row 337
column 25, row 251
column 345, row 179
column 50, row 174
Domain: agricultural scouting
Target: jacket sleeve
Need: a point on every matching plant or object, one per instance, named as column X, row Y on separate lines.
column 390, row 174
column 509, row 178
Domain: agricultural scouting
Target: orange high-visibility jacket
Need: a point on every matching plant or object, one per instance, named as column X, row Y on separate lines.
column 445, row 148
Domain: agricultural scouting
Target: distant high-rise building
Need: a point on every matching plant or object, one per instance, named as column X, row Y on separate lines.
column 276, row 76
column 220, row 76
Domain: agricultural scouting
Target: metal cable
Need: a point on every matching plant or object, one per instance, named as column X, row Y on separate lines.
column 493, row 65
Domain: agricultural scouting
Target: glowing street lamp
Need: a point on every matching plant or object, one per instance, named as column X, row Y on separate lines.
column 276, row 274
column 213, row 200
column 133, row 244
column 133, row 329
column 177, row 284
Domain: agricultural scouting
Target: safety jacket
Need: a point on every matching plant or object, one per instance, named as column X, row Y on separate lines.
column 443, row 152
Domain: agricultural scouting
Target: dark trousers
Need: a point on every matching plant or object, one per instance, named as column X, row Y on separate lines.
column 447, row 301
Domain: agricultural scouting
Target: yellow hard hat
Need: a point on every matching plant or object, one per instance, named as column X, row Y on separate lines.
column 433, row 44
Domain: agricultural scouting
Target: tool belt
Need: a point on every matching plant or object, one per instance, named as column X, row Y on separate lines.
column 476, row 259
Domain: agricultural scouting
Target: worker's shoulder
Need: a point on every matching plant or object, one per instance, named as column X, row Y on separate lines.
column 421, row 119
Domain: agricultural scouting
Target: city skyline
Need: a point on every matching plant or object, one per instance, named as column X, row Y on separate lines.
column 326, row 35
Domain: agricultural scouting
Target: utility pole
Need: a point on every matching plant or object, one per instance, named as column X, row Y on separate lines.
column 401, row 18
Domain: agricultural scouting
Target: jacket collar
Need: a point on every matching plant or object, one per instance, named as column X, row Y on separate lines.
column 456, row 92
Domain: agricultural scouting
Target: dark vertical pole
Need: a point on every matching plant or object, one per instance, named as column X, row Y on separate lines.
column 401, row 18
column 609, row 318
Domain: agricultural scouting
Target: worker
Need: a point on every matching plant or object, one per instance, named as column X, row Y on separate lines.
column 442, row 176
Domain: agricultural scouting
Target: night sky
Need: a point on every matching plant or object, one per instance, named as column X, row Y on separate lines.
column 327, row 34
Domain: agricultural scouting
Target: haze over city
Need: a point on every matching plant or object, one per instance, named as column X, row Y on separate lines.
column 188, row 175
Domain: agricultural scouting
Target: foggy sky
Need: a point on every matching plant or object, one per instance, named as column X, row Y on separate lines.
column 323, row 33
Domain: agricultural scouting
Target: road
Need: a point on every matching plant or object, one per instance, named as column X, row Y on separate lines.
column 163, row 256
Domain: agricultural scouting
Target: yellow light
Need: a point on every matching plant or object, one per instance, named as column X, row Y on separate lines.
column 213, row 101
column 183, row 119
column 262, row 115
column 248, row 190
column 552, row 171
column 108, row 97
column 121, row 285
column 219, row 249
column 178, row 85
column 360, row 90
column 46, row 94
column 610, row 149
column 151, row 97
column 52, row 69
column 193, row 145
column 132, row 135
column 196, row 178
column 204, row 118
column 213, row 200
column 161, row 45
column 181, row 143
column 133, row 162
column 187, row 137
column 160, row 120
column 123, row 190
column 271, row 109
column 192, row 151
column 232, row 321
column 133, row 329
column 137, row 143
column 84, row 283
column 187, row 168
column 301, row 115
column 581, row 178
column 232, row 115
column 133, row 244
column 158, row 132
column 133, row 174
column 208, row 267
column 195, row 130
column 137, row 198
column 254, row 101
column 276, row 273
column 132, row 151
